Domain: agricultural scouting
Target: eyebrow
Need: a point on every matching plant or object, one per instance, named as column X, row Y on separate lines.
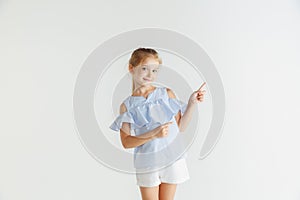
column 155, row 67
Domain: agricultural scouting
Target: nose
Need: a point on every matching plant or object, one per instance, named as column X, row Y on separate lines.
column 149, row 74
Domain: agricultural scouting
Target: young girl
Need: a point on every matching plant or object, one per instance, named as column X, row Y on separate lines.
column 156, row 116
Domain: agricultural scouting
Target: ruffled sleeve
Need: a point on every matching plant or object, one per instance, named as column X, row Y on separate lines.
column 177, row 105
column 137, row 117
column 156, row 112
column 124, row 117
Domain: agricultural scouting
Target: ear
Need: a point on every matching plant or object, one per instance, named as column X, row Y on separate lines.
column 130, row 68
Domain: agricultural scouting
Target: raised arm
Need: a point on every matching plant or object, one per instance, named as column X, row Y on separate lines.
column 129, row 141
column 183, row 121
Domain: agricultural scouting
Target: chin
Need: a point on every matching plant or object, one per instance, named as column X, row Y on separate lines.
column 148, row 83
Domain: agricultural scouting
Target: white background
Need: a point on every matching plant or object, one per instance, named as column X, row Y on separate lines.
column 255, row 46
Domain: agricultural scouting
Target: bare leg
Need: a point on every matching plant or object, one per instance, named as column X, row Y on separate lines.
column 149, row 193
column 167, row 191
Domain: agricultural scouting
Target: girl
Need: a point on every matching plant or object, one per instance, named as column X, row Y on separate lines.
column 156, row 116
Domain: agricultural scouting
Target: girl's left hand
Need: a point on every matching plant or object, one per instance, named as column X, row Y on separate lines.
column 198, row 95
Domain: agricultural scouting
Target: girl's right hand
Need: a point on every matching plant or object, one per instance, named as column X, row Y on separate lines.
column 162, row 130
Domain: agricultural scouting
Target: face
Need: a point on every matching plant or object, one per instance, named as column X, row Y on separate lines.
column 146, row 72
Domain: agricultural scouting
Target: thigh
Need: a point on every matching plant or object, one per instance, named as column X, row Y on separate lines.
column 149, row 193
column 176, row 173
column 167, row 191
column 148, row 179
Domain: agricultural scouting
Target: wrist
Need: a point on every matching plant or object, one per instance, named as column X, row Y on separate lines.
column 153, row 137
column 192, row 103
column 153, row 134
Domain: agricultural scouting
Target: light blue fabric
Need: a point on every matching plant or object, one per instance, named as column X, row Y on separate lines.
column 144, row 115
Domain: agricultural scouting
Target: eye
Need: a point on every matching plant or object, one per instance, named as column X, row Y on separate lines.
column 155, row 70
column 144, row 68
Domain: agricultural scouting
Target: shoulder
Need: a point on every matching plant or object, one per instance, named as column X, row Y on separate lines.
column 124, row 105
column 170, row 93
column 122, row 108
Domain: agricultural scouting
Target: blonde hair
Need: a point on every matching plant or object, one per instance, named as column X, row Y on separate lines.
column 140, row 55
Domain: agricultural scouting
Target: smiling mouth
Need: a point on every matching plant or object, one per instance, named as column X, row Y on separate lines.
column 147, row 79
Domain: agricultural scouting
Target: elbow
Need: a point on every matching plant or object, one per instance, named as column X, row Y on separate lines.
column 180, row 125
column 181, row 128
column 125, row 144
column 125, row 138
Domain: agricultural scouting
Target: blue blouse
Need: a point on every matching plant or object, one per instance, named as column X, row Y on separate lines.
column 143, row 115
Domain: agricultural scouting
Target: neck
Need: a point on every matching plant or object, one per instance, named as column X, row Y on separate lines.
column 142, row 88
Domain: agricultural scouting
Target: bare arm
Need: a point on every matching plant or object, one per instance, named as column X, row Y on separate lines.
column 129, row 141
column 183, row 121
column 186, row 118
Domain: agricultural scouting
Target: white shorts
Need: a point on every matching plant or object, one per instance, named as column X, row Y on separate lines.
column 174, row 174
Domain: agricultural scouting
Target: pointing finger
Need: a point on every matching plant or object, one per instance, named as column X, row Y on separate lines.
column 201, row 92
column 201, row 86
